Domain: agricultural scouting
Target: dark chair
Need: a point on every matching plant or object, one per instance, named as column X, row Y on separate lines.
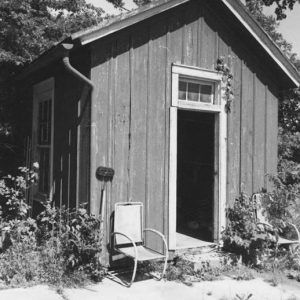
column 262, row 221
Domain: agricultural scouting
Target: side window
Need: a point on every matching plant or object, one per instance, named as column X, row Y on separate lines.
column 44, row 144
column 42, row 136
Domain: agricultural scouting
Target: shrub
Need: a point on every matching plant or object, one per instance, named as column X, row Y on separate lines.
column 61, row 247
column 13, row 191
column 242, row 236
column 77, row 235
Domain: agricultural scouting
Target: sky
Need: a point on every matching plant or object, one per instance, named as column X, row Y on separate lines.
column 290, row 27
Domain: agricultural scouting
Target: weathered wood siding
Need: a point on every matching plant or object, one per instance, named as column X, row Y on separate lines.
column 132, row 72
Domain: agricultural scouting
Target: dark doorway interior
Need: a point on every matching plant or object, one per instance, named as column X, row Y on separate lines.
column 195, row 174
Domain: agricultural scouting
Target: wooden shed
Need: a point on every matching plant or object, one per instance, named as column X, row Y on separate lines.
column 142, row 96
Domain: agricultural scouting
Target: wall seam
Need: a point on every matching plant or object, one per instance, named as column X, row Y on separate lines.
column 253, row 131
column 241, row 133
column 147, row 129
column 266, row 137
column 130, row 116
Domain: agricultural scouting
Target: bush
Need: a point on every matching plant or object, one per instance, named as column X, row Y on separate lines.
column 13, row 191
column 76, row 235
column 242, row 236
column 61, row 247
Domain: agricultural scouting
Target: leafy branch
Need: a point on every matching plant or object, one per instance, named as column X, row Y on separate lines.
column 227, row 77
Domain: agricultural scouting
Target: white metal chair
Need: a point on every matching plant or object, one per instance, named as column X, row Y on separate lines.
column 128, row 236
column 262, row 220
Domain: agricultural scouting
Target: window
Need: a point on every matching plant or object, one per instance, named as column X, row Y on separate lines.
column 42, row 136
column 44, row 144
column 193, row 90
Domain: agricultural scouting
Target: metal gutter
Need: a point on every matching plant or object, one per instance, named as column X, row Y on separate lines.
column 71, row 69
column 53, row 54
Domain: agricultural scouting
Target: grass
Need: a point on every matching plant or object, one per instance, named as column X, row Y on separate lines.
column 181, row 270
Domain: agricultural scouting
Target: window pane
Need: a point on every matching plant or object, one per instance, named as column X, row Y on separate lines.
column 182, row 90
column 206, row 93
column 44, row 123
column 44, row 162
column 193, row 91
column 49, row 123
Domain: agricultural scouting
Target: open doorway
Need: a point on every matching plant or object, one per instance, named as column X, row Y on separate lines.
column 196, row 161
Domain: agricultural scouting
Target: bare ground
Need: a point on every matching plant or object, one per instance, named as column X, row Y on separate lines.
column 227, row 289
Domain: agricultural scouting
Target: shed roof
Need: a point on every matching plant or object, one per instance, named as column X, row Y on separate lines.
column 122, row 21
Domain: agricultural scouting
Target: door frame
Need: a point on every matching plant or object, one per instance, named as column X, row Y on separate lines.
column 218, row 108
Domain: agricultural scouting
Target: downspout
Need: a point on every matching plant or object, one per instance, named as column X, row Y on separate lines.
column 72, row 70
column 93, row 166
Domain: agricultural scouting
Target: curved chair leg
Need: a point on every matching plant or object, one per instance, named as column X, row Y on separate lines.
column 134, row 272
column 166, row 249
column 165, row 268
column 135, row 256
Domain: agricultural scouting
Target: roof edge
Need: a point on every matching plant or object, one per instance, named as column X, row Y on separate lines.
column 288, row 68
column 125, row 20
column 51, row 55
column 235, row 7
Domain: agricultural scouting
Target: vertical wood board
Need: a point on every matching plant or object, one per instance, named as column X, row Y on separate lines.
column 271, row 136
column 190, row 34
column 233, row 134
column 259, row 136
column 246, row 130
column 156, row 127
column 208, row 44
column 138, row 130
column 121, row 120
column 100, row 112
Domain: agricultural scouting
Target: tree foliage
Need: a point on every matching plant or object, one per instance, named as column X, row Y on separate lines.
column 120, row 3
column 288, row 177
column 270, row 25
column 29, row 27
column 281, row 6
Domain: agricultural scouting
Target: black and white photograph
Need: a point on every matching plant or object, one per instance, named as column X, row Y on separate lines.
column 150, row 149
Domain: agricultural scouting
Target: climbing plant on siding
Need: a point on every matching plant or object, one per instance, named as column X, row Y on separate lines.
column 227, row 77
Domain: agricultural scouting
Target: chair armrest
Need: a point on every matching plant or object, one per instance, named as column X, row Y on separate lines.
column 129, row 238
column 296, row 229
column 266, row 225
column 162, row 237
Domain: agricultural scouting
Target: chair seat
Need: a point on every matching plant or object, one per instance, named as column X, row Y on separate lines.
column 283, row 241
column 143, row 253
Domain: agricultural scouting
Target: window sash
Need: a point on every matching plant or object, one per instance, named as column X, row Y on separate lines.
column 44, row 122
column 44, row 154
column 194, row 90
column 43, row 101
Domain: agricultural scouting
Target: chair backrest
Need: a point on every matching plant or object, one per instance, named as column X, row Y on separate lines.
column 128, row 219
column 261, row 214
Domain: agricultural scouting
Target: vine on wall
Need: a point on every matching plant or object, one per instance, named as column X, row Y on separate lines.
column 227, row 78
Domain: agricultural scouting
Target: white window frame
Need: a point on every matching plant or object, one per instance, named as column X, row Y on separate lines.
column 42, row 91
column 218, row 108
